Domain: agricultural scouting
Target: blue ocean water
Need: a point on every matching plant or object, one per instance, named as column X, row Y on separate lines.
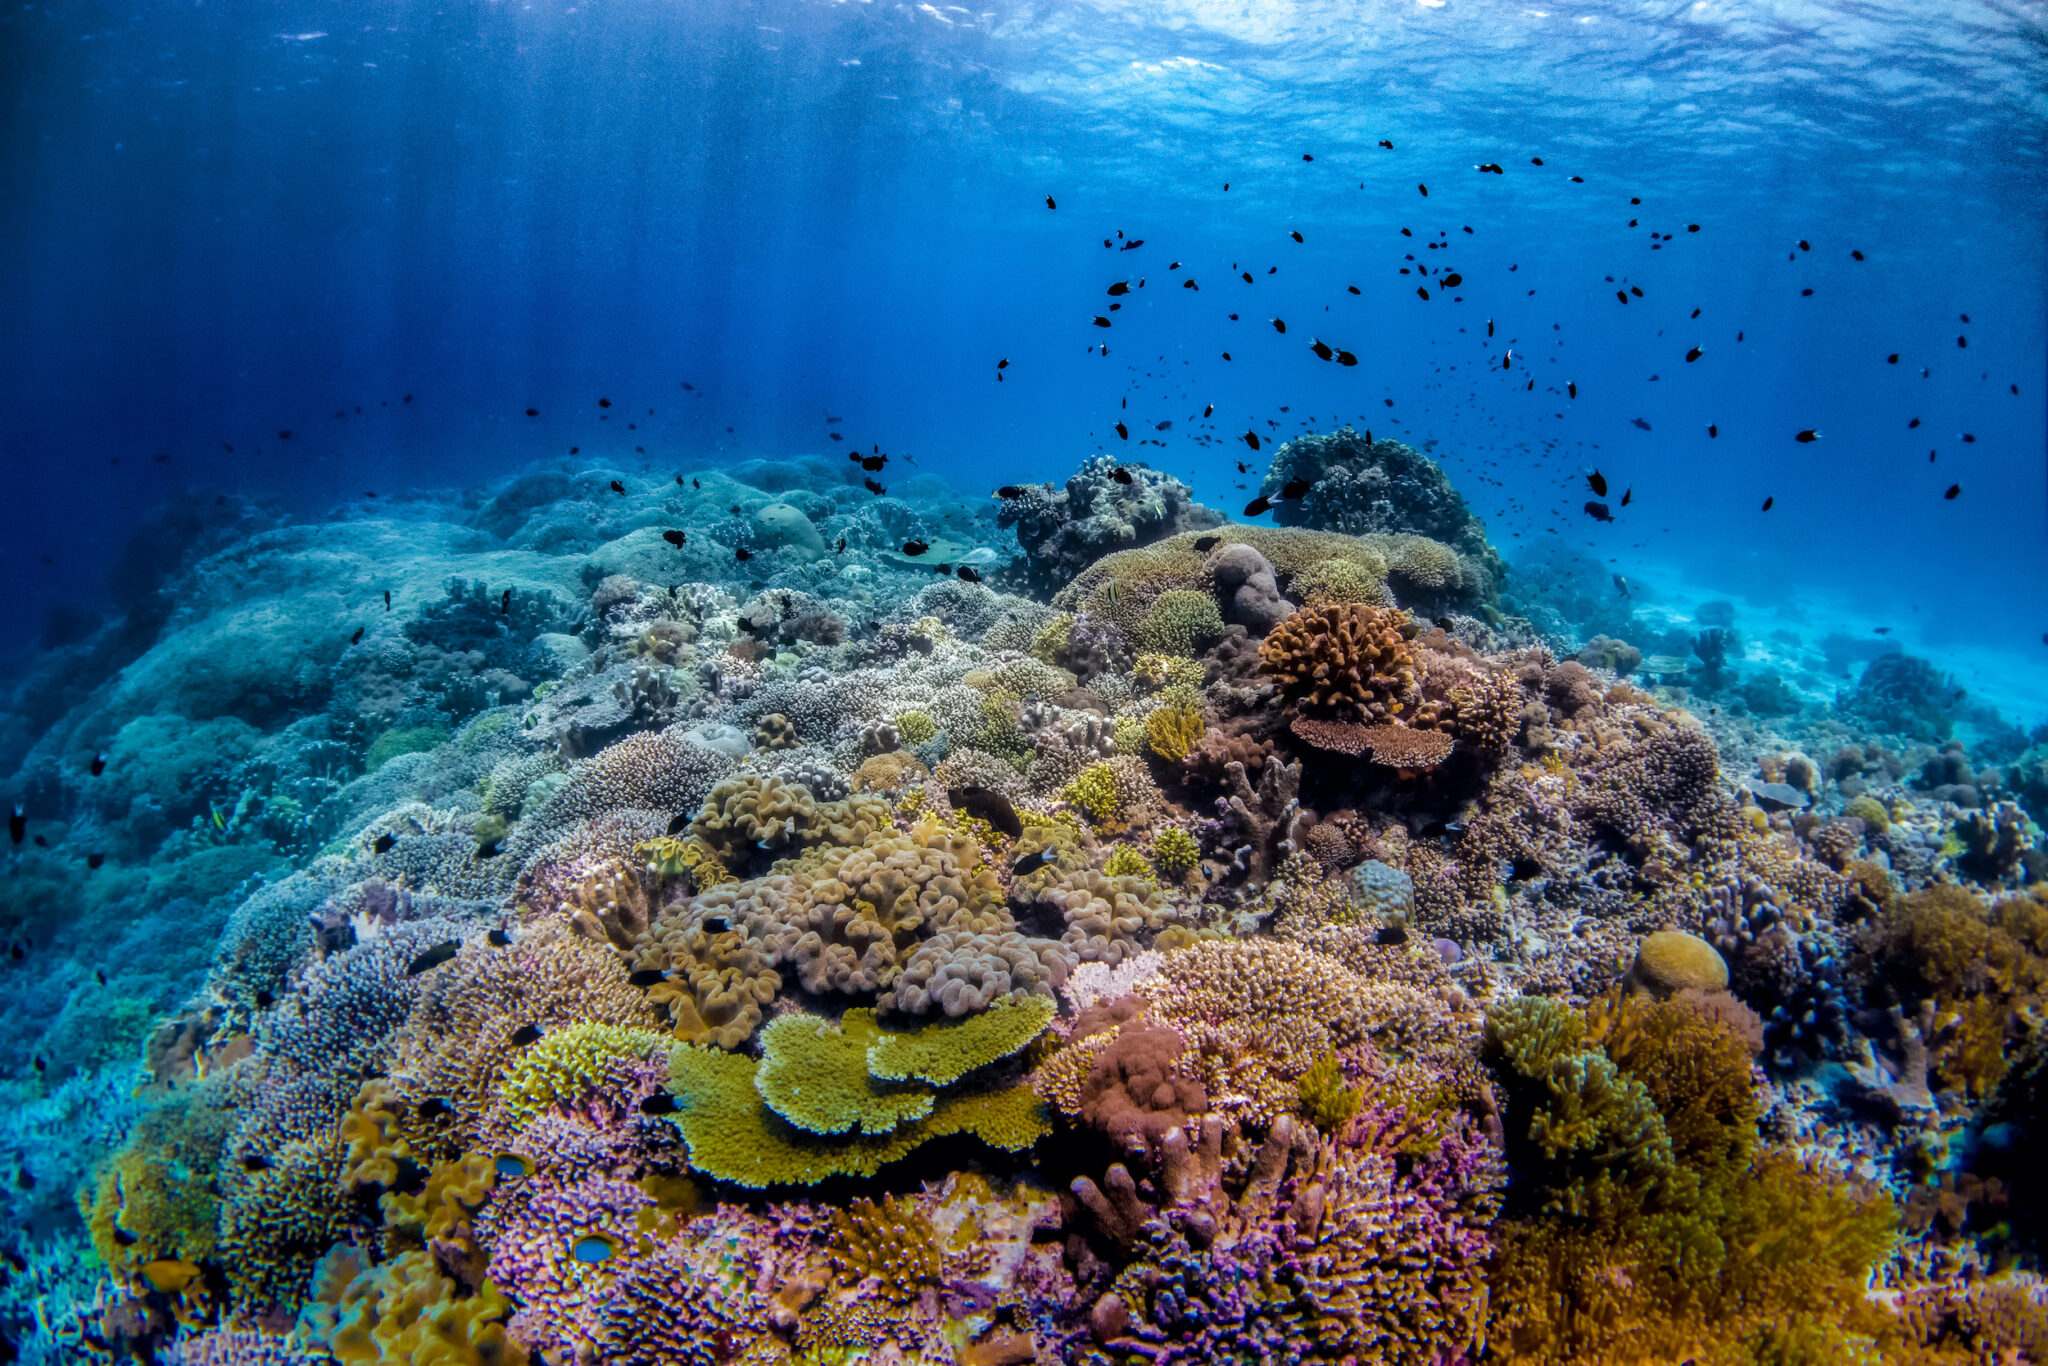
column 228, row 221
column 392, row 397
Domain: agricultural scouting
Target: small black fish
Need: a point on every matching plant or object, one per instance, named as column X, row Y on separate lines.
column 1209, row 410
column 874, row 488
column 1953, row 491
column 1713, row 430
column 1120, row 287
column 505, row 604
column 499, row 939
column 661, row 1102
column 1008, row 491
column 871, row 463
column 433, row 1107
column 1207, row 543
column 1597, row 482
column 491, row 848
column 1279, row 324
column 1101, row 321
column 743, row 554
column 1388, row 145
column 1003, row 364
column 1424, row 189
column 255, row 1162
column 95, row 860
column 618, row 487
column 17, row 825
column 1598, row 512
column 674, row 538
column 942, row 569
column 841, row 550
column 1452, row 281
column 533, row 412
column 915, row 547
column 387, row 599
column 1768, row 502
column 357, row 638
column 433, row 958
column 1638, row 422
column 715, row 924
column 1295, row 488
column 1628, row 495
column 1809, row 435
column 1252, row 439
column 1322, row 351
column 1346, row 358
column 525, row 1034
column 1032, row 862
column 1571, row 389
column 382, row 844
column 604, row 403
column 1257, row 506
column 647, row 977
column 1882, row 630
column 967, row 574
column 1049, row 203
column 1122, row 476
column 98, row 764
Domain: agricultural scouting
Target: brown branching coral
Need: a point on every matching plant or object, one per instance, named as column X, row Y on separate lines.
column 1345, row 661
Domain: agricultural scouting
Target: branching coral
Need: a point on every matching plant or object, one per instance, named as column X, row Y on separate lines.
column 1182, row 622
column 1344, row 661
column 1172, row 730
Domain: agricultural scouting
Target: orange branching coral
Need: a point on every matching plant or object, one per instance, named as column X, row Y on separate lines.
column 1350, row 661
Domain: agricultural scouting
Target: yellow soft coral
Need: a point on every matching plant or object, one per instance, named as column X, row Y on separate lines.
column 407, row 1311
column 1171, row 731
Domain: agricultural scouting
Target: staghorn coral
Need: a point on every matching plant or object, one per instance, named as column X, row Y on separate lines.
column 1173, row 730
column 1174, row 853
column 893, row 1243
column 1181, row 622
column 1345, row 662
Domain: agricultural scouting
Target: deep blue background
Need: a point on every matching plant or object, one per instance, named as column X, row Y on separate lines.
column 217, row 227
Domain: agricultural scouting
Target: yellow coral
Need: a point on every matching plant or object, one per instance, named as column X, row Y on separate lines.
column 1094, row 792
column 567, row 1065
column 914, row 728
column 1124, row 861
column 894, row 1242
column 1174, row 852
column 1173, row 730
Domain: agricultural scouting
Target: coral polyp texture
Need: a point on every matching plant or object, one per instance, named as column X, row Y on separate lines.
column 1177, row 942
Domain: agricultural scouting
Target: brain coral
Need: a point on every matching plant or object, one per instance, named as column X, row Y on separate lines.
column 1344, row 661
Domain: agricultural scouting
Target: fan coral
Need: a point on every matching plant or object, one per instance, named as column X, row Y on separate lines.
column 1349, row 661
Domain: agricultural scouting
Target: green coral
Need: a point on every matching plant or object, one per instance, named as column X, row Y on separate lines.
column 1181, row 621
column 733, row 1136
column 157, row 1198
column 814, row 1074
column 1127, row 735
column 914, row 728
column 392, row 743
column 1174, row 852
column 1053, row 640
column 1326, row 1101
column 999, row 734
column 1093, row 791
column 569, row 1064
column 1124, row 861
column 1156, row 671
column 1173, row 730
column 943, row 1052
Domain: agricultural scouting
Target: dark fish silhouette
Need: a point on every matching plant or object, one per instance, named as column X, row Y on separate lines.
column 1049, row 203
column 1713, row 429
column 382, row 844
column 1295, row 488
column 1101, row 321
column 1953, row 491
column 1257, row 506
column 525, row 1034
column 387, row 599
column 1452, row 281
column 1120, row 287
column 1032, row 862
column 357, row 638
column 647, row 977
column 661, row 1102
column 1598, row 512
column 618, row 487
column 1346, row 358
column 1628, row 495
column 1638, row 422
column 1809, row 435
column 1123, row 433
column 505, row 604
column 841, row 549
column 1694, row 355
column 1003, row 364
column 499, row 939
column 674, row 538
column 743, row 554
column 1279, row 324
column 533, row 412
column 1252, row 439
column 1207, row 543
column 1009, row 491
column 433, row 958
column 1571, row 389
column 967, row 573
column 94, row 861
column 1597, row 482
column 873, row 487
column 915, row 547
column 1768, row 502
column 1322, row 351
column 1120, row 474
column 871, row 463
column 1208, row 409
column 98, row 764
